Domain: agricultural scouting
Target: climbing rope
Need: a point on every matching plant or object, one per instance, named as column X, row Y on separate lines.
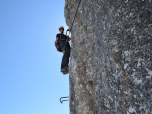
column 75, row 16
column 72, row 24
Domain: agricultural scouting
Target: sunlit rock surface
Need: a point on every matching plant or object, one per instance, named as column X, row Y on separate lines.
column 111, row 56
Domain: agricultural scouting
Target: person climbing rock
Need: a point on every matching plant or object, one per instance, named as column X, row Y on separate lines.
column 65, row 59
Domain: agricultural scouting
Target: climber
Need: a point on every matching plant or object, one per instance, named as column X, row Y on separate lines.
column 65, row 59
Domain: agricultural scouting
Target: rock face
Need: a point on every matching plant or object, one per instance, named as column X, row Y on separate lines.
column 111, row 56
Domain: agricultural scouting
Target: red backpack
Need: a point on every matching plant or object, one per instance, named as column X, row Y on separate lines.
column 57, row 45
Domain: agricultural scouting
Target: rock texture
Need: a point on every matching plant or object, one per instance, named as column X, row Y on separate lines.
column 111, row 56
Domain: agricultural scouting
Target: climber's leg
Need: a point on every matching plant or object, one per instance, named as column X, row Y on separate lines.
column 65, row 59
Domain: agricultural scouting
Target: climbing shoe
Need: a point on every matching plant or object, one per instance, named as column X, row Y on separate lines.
column 65, row 73
column 65, row 70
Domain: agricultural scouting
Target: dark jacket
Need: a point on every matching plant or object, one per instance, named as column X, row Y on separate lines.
column 62, row 39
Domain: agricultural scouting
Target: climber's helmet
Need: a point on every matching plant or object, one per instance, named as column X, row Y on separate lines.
column 61, row 27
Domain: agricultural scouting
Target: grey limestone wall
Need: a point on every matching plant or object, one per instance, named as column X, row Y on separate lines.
column 111, row 56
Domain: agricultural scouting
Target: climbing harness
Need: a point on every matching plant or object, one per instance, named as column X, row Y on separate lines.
column 63, row 98
column 71, row 25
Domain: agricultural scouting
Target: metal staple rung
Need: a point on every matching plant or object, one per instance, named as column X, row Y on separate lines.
column 64, row 100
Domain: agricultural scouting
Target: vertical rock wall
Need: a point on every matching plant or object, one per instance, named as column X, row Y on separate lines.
column 111, row 56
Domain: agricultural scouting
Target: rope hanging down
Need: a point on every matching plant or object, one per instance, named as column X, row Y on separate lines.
column 72, row 24
column 75, row 16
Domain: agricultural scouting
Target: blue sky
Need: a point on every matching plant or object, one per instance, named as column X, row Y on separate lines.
column 30, row 78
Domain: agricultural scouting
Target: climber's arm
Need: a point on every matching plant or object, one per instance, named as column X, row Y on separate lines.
column 70, row 37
